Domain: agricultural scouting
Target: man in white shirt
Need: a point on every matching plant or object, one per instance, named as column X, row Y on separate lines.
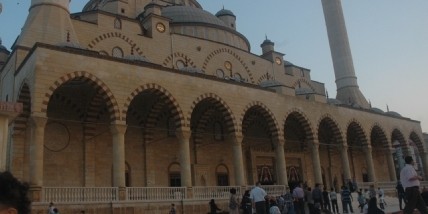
column 410, row 181
column 258, row 197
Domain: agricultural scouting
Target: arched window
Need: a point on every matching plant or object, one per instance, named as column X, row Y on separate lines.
column 171, row 127
column 218, row 131
column 222, row 175
column 117, row 24
column 117, row 52
column 174, row 175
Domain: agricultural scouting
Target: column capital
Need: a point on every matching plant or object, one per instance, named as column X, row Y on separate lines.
column 118, row 128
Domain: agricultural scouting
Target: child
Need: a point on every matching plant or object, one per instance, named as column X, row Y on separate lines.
column 361, row 201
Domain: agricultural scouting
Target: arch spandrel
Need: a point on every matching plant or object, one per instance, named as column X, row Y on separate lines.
column 93, row 81
column 267, row 113
column 164, row 95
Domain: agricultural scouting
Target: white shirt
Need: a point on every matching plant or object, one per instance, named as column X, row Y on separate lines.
column 406, row 173
column 257, row 194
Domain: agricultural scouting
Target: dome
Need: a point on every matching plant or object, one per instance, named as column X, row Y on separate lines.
column 334, row 101
column 184, row 14
column 377, row 110
column 301, row 91
column 191, row 70
column 224, row 12
column 393, row 113
column 270, row 83
column 137, row 58
column 267, row 42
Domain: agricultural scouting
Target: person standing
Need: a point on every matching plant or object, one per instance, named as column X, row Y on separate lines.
column 400, row 194
column 246, row 203
column 51, row 208
column 288, row 202
column 213, row 207
column 172, row 210
column 299, row 203
column 333, row 198
column 346, row 200
column 317, row 196
column 411, row 182
column 233, row 202
column 326, row 200
column 258, row 198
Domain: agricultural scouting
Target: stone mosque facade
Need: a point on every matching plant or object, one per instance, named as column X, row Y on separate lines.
column 142, row 93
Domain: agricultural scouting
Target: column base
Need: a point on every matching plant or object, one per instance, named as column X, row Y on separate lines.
column 35, row 193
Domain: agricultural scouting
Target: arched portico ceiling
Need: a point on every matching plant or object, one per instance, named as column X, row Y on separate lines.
column 378, row 138
column 355, row 135
column 417, row 140
column 99, row 89
column 328, row 132
column 399, row 137
column 297, row 130
column 207, row 106
column 24, row 97
column 257, row 112
column 147, row 102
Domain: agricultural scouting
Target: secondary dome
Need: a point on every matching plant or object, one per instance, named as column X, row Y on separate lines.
column 183, row 14
column 224, row 12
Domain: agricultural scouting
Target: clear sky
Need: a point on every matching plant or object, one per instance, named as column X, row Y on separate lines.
column 389, row 42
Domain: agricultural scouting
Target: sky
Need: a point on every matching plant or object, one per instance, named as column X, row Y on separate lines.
column 388, row 38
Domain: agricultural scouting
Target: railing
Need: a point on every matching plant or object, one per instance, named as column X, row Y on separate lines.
column 75, row 194
column 108, row 194
column 155, row 193
column 214, row 192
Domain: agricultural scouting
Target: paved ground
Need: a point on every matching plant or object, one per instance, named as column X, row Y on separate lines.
column 391, row 204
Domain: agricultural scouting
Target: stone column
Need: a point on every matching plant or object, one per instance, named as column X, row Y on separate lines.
column 391, row 166
column 345, row 162
column 238, row 162
column 4, row 124
column 280, row 163
column 18, row 155
column 36, row 156
column 369, row 161
column 316, row 162
column 185, row 165
column 424, row 158
column 118, row 132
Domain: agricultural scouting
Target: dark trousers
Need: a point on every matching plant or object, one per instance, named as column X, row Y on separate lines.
column 334, row 207
column 299, row 206
column 345, row 205
column 414, row 200
column 400, row 201
column 261, row 207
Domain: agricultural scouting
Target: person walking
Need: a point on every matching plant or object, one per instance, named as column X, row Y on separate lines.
column 258, row 198
column 326, row 199
column 411, row 182
column 233, row 202
column 400, row 194
column 333, row 198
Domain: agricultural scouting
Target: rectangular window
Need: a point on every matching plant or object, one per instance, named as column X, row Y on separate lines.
column 174, row 180
column 222, row 179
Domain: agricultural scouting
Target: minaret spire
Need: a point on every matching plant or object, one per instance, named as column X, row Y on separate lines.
column 346, row 80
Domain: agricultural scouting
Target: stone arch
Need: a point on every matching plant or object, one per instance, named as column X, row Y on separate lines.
column 303, row 120
column 334, row 125
column 301, row 80
column 164, row 95
column 417, row 140
column 397, row 135
column 264, row 77
column 267, row 113
column 377, row 130
column 179, row 55
column 355, row 125
column 218, row 104
column 24, row 97
column 233, row 54
column 102, row 89
column 119, row 35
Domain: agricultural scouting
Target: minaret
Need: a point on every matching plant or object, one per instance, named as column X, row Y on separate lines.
column 48, row 22
column 346, row 81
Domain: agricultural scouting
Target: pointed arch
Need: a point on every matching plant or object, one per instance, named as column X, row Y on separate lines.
column 329, row 122
column 266, row 113
column 119, row 35
column 302, row 119
column 377, row 135
column 217, row 103
column 415, row 138
column 101, row 88
column 174, row 57
column 24, row 97
column 354, row 131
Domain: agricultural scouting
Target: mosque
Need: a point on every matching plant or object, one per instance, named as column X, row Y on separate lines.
column 131, row 97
